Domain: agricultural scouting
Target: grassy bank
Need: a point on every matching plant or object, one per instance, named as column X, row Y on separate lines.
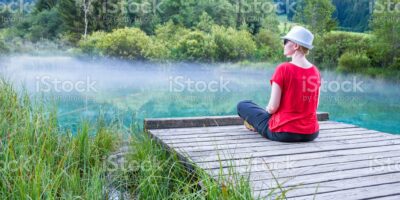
column 38, row 161
column 159, row 174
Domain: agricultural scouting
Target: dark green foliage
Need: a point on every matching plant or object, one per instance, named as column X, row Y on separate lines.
column 386, row 28
column 3, row 48
column 269, row 46
column 129, row 43
column 72, row 17
column 42, row 5
column 196, row 46
column 316, row 14
column 353, row 15
column 353, row 62
column 232, row 45
column 52, row 29
column 332, row 45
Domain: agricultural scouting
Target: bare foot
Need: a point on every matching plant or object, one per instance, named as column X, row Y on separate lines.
column 250, row 127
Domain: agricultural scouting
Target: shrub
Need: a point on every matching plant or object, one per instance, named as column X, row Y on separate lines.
column 157, row 50
column 170, row 32
column 269, row 46
column 353, row 62
column 232, row 44
column 128, row 43
column 91, row 43
column 196, row 46
column 167, row 37
column 3, row 47
column 45, row 25
column 332, row 45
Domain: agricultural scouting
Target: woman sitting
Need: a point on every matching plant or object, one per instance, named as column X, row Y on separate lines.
column 291, row 112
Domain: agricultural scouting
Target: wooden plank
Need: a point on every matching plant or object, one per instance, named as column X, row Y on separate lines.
column 321, row 138
column 337, row 186
column 359, row 193
column 296, row 157
column 323, row 173
column 273, row 151
column 258, row 146
column 259, row 165
column 164, row 123
column 199, row 149
column 221, row 129
column 212, row 129
column 242, row 131
column 390, row 197
column 311, row 179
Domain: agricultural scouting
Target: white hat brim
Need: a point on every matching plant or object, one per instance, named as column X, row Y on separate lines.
column 298, row 42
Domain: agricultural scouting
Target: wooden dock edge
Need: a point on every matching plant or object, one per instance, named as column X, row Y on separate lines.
column 206, row 121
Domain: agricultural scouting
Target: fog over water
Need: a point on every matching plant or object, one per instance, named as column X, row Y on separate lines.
column 135, row 90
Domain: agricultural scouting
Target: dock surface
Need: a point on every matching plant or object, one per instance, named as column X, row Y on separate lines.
column 344, row 162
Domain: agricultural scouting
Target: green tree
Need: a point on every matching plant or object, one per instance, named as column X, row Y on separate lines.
column 386, row 27
column 72, row 18
column 206, row 22
column 5, row 19
column 45, row 25
column 353, row 15
column 316, row 14
column 41, row 5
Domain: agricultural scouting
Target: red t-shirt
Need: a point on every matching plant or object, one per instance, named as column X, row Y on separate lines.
column 297, row 112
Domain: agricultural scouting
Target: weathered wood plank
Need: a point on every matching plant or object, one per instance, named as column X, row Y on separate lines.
column 163, row 123
column 244, row 135
column 337, row 186
column 358, row 193
column 219, row 129
column 259, row 147
column 323, row 173
column 212, row 129
column 259, row 165
column 242, row 131
column 273, row 151
column 390, row 197
column 296, row 157
column 263, row 145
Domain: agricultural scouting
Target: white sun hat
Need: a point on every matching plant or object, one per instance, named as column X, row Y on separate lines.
column 301, row 36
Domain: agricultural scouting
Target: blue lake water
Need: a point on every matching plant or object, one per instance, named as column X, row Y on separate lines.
column 132, row 91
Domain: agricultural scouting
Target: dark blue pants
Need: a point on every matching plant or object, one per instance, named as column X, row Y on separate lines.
column 259, row 117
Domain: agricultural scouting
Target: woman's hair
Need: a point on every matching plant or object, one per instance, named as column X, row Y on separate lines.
column 304, row 50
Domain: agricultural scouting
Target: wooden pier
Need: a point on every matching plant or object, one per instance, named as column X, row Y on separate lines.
column 344, row 162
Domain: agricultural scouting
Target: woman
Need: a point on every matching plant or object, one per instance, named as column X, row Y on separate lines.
column 291, row 112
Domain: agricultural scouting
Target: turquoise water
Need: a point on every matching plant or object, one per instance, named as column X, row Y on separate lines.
column 83, row 88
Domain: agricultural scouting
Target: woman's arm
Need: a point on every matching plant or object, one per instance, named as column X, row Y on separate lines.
column 319, row 95
column 275, row 98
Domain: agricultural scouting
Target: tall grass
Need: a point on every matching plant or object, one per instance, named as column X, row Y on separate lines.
column 156, row 173
column 39, row 161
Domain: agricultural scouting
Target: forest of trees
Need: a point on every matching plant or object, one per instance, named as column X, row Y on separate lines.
column 68, row 18
column 211, row 30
